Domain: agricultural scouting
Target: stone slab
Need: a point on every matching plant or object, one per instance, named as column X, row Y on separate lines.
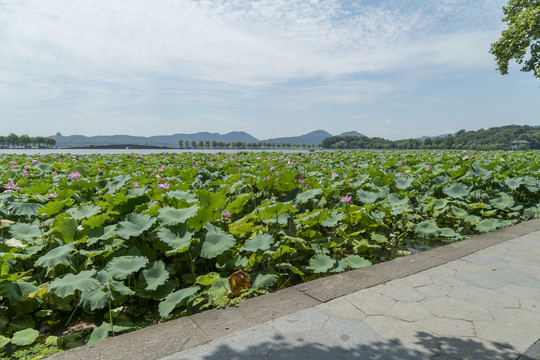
column 221, row 322
column 153, row 342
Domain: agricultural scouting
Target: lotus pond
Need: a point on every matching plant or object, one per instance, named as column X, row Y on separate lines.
column 95, row 245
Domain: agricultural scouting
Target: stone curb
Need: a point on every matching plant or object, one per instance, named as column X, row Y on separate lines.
column 157, row 341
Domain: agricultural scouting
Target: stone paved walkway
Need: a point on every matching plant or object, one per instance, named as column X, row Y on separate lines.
column 483, row 306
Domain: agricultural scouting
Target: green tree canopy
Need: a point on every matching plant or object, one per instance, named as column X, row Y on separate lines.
column 521, row 40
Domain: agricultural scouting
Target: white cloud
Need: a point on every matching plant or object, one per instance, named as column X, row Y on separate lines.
column 233, row 41
column 131, row 60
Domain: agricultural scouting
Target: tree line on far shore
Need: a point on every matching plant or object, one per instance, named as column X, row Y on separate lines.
column 205, row 144
column 25, row 141
column 496, row 138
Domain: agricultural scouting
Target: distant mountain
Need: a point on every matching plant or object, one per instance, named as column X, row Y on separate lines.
column 434, row 137
column 312, row 138
column 351, row 133
column 157, row 140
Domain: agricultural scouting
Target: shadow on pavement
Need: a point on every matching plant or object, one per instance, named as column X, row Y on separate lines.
column 429, row 346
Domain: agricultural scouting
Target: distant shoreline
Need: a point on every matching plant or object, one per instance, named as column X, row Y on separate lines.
column 120, row 146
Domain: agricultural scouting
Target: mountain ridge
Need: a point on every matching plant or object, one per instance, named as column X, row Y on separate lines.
column 312, row 138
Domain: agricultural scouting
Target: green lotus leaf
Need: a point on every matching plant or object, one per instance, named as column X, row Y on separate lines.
column 155, row 275
column 356, row 262
column 135, row 225
column 16, row 291
column 25, row 231
column 94, row 299
column 274, row 210
column 260, row 242
column 58, row 255
column 333, row 219
column 458, row 212
column 321, row 263
column 305, row 196
column 84, row 211
column 24, row 337
column 488, row 225
column 54, row 207
column 182, row 195
column 178, row 238
column 513, row 183
column 100, row 333
column 265, row 278
column 394, row 200
column 457, row 190
column 427, row 229
column 288, row 266
column 238, row 204
column 174, row 299
column 83, row 281
column 403, row 183
column 207, row 279
column 65, row 227
column 25, row 209
column 503, row 202
column 4, row 341
column 170, row 216
column 449, row 233
column 366, row 197
column 44, row 167
column 123, row 266
column 100, row 233
column 215, row 242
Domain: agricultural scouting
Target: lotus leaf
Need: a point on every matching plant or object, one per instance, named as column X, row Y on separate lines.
column 56, row 256
column 24, row 337
column 305, row 196
column 321, row 263
column 174, row 299
column 260, row 242
column 25, row 231
column 94, row 299
column 504, row 201
column 100, row 333
column 170, row 216
column 123, row 266
column 427, row 229
column 178, row 238
column 366, row 197
column 155, row 275
column 265, row 278
column 83, row 281
column 215, row 242
column 135, row 225
column 457, row 190
column 84, row 211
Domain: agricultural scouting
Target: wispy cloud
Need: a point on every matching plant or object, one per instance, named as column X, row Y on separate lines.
column 101, row 58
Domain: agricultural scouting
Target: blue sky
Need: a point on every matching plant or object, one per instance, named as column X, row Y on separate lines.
column 390, row 68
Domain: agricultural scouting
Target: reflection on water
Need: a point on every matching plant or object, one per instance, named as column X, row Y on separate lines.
column 140, row 151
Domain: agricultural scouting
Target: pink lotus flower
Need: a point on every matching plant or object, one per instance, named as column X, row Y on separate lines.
column 52, row 195
column 334, row 175
column 164, row 186
column 136, row 186
column 427, row 169
column 466, row 157
column 227, row 214
column 74, row 175
column 54, row 173
column 11, row 186
column 346, row 199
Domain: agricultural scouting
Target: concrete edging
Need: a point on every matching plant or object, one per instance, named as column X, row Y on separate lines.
column 157, row 341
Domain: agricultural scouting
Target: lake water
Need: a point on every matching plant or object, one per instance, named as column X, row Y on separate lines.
column 139, row 151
